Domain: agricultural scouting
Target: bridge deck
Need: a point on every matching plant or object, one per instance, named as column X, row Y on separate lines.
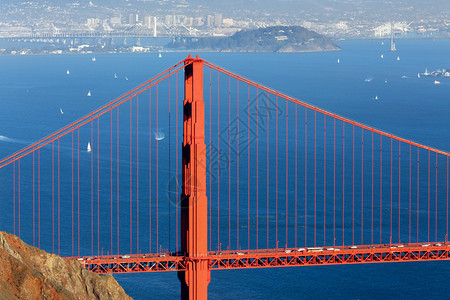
column 270, row 258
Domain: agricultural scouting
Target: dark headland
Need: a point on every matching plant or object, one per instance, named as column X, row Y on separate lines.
column 268, row 39
column 29, row 273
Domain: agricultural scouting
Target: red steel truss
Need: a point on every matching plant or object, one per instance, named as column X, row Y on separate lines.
column 270, row 258
column 415, row 176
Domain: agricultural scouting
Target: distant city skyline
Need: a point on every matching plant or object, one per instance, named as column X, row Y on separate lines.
column 334, row 18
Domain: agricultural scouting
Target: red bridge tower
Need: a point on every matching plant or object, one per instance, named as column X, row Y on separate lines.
column 194, row 204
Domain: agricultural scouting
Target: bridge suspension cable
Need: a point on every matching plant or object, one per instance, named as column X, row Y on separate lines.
column 282, row 176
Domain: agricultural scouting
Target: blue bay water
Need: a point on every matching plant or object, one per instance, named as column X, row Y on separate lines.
column 33, row 88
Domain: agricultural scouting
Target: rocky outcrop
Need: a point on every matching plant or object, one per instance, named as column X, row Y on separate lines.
column 29, row 273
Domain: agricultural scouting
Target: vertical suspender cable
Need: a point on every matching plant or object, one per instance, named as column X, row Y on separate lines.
column 428, row 210
column 343, row 183
column 98, row 186
column 157, row 169
column 118, row 182
column 390, row 237
column 137, row 171
column 362, row 186
column 59, row 206
column 417, row 205
column 381, row 186
column 324, row 176
column 34, row 234
column 176, row 166
column 372, row 194
column 436, row 193
column 150, row 170
column 296, row 176
column 287, row 170
column 315, row 177
column 306, row 173
column 72, row 200
column 78, row 191
column 229, row 162
column 399, row 189
column 409, row 240
column 92, row 189
column 257, row 166
column 248, row 168
column 18, row 176
column 111, row 182
column 353, row 186
column 39, row 198
column 218, row 164
column 237, row 166
column 131, row 175
column 267, row 174
column 53, row 197
column 334, row 181
column 210, row 161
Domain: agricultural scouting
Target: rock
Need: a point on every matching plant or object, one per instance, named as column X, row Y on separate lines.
column 27, row 272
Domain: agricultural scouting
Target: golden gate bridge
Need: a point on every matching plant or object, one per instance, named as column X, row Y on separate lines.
column 200, row 169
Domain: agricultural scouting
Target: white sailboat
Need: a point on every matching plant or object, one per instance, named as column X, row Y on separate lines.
column 115, row 75
column 376, row 97
column 89, row 93
column 94, row 59
column 418, row 75
column 338, row 61
column 382, row 56
column 437, row 82
column 398, row 57
column 126, row 78
column 61, row 111
column 159, row 55
column 67, row 72
column 89, row 147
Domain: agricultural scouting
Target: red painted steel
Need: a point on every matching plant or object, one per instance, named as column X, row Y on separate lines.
column 289, row 257
column 278, row 94
column 192, row 260
column 194, row 206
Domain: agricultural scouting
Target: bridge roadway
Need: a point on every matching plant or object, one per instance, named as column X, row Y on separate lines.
column 337, row 255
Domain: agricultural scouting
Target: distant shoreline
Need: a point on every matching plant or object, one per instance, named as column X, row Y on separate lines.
column 165, row 51
column 169, row 50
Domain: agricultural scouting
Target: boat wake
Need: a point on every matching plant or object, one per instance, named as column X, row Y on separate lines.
column 6, row 139
column 159, row 135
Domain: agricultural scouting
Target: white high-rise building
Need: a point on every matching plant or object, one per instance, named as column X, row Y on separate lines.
column 148, row 21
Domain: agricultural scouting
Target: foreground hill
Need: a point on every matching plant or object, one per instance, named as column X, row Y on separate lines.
column 29, row 273
column 269, row 39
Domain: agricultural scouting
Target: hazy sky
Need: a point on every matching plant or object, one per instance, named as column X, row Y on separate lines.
column 395, row 9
